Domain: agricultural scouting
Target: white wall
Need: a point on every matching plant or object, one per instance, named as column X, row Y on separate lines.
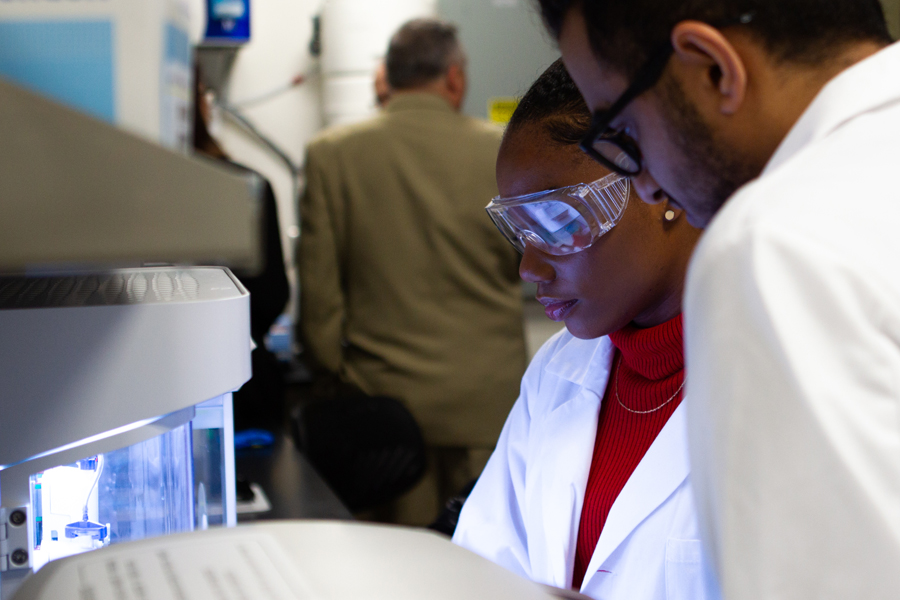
column 278, row 51
column 281, row 31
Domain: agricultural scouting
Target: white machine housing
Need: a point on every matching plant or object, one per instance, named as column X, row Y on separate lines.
column 99, row 362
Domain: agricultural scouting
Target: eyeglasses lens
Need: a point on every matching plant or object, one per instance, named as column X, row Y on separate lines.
column 611, row 151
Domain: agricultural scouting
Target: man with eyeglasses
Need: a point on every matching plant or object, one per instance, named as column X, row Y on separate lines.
column 776, row 124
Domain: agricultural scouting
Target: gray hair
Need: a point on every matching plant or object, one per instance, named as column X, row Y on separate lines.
column 421, row 51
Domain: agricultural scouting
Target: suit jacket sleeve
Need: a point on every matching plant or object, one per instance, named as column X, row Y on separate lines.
column 322, row 306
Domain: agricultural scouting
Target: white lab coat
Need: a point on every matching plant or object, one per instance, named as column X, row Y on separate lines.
column 525, row 510
column 792, row 327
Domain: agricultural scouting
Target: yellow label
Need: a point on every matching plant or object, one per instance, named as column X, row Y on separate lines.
column 500, row 109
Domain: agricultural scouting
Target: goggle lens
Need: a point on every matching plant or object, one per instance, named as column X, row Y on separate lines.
column 562, row 221
column 553, row 227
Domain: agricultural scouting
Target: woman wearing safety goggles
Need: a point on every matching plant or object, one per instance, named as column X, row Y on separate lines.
column 589, row 485
column 564, row 220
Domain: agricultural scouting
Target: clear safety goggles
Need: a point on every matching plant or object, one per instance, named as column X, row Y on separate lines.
column 565, row 220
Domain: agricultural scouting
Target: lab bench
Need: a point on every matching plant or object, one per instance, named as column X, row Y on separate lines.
column 293, row 487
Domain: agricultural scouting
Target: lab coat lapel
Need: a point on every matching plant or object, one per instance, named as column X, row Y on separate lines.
column 565, row 464
column 565, row 469
column 663, row 468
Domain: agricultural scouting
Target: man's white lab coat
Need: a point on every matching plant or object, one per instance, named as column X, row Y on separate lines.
column 792, row 327
column 525, row 510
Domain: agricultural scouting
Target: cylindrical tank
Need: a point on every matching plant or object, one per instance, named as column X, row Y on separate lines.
column 355, row 35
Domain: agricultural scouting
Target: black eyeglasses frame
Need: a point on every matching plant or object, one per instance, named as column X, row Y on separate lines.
column 647, row 77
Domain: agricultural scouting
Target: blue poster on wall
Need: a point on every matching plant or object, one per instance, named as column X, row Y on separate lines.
column 69, row 61
column 228, row 21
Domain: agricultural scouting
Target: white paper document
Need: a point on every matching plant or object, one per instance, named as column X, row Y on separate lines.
column 247, row 567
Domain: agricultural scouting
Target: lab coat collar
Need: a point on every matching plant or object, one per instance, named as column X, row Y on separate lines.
column 561, row 483
column 584, row 362
column 659, row 474
column 572, row 424
column 867, row 86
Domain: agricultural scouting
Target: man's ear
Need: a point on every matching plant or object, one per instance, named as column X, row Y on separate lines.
column 456, row 85
column 722, row 70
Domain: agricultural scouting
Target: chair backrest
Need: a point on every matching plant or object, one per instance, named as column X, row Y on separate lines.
column 369, row 449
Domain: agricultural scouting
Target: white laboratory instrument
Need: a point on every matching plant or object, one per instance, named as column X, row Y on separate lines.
column 286, row 560
column 115, row 409
column 80, row 193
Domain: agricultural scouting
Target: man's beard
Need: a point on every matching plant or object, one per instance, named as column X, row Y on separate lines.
column 713, row 171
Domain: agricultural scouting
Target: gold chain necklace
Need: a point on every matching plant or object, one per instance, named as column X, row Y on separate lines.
column 640, row 412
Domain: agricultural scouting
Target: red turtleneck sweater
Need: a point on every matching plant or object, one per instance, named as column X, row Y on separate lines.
column 648, row 368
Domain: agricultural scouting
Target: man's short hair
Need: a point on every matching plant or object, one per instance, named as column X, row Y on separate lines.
column 421, row 51
column 624, row 33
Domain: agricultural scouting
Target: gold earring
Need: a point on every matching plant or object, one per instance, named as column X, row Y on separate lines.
column 669, row 216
